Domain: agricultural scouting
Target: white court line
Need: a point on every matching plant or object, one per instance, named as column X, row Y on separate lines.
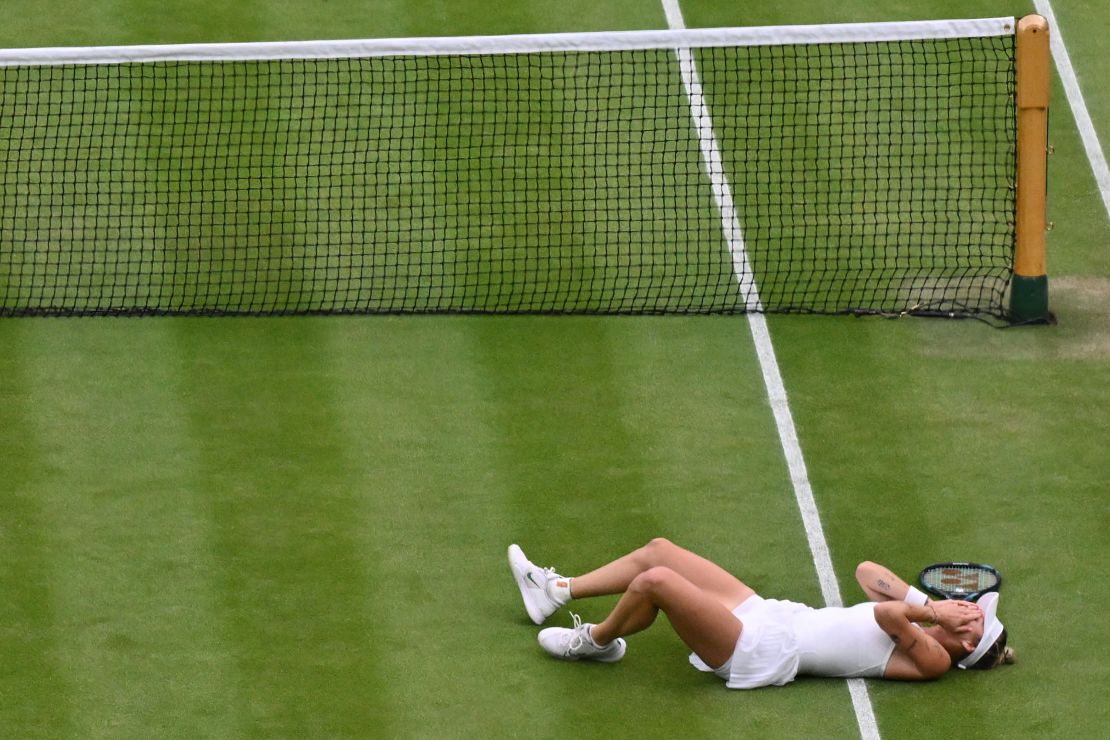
column 1078, row 106
column 757, row 322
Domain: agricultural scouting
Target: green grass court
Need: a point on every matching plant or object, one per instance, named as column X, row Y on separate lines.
column 296, row 527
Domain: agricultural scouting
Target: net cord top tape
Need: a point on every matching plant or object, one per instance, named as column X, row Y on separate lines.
column 515, row 44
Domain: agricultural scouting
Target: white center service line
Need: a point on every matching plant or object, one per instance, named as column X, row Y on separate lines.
column 757, row 322
column 1078, row 105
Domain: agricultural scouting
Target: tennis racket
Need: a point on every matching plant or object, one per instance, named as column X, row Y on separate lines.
column 964, row 581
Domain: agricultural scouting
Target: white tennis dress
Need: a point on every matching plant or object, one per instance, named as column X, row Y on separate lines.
column 782, row 639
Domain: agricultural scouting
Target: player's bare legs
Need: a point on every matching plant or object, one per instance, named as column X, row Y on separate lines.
column 699, row 616
column 697, row 596
column 704, row 575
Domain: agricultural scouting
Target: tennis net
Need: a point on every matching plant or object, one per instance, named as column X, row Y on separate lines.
column 851, row 168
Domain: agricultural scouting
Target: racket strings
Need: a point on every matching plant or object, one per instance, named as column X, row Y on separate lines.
column 960, row 579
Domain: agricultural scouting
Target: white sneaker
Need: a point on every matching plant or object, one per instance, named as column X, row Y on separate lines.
column 576, row 644
column 533, row 585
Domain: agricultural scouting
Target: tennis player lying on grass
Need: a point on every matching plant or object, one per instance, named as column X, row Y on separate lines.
column 750, row 641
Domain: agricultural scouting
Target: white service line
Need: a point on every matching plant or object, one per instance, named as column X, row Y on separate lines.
column 1078, row 106
column 772, row 377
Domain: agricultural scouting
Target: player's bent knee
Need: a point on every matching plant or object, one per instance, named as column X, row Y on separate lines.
column 652, row 580
column 658, row 547
column 652, row 554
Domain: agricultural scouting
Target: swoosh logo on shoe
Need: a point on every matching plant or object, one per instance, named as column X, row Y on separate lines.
column 533, row 580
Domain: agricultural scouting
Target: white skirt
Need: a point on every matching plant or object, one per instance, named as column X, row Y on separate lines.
column 767, row 652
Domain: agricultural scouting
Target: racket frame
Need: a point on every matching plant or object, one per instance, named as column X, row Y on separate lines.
column 943, row 593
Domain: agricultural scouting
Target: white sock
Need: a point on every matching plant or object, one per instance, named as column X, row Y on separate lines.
column 559, row 590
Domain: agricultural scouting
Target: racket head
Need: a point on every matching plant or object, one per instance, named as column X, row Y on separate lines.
column 964, row 581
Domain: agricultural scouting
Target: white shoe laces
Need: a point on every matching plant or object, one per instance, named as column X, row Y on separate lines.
column 580, row 636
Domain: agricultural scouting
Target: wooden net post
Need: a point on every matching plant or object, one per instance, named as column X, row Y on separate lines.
column 1029, row 290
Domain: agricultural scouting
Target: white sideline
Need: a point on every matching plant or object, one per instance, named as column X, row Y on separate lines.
column 772, row 378
column 1074, row 94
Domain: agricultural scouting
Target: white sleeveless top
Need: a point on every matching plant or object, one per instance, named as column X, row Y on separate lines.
column 842, row 642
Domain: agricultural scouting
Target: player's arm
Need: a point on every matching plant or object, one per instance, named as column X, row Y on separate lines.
column 917, row 656
column 881, row 585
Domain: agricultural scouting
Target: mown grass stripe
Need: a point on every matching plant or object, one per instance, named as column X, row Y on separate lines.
column 137, row 635
column 288, row 569
column 33, row 681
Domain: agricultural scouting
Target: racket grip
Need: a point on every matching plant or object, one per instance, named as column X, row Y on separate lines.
column 915, row 597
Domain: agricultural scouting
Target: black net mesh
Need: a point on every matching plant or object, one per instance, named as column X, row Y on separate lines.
column 870, row 177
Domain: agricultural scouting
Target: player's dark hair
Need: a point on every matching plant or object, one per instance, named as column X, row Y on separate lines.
column 996, row 655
